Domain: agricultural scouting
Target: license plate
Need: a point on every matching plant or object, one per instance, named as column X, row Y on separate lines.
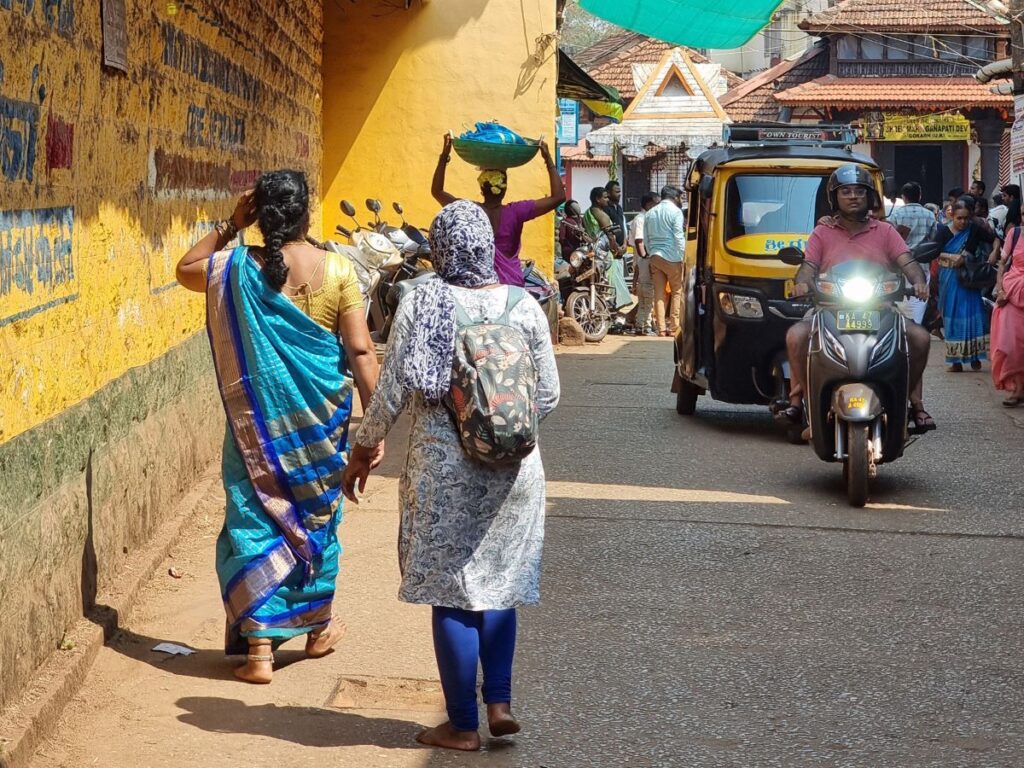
column 858, row 320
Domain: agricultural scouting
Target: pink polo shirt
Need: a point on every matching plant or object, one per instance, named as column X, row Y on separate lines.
column 831, row 244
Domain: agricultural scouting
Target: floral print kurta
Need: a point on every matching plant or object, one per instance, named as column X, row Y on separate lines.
column 470, row 535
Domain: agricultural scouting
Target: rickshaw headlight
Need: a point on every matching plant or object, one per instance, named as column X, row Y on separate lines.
column 858, row 289
column 737, row 305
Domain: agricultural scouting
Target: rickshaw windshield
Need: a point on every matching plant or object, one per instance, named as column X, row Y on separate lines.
column 765, row 213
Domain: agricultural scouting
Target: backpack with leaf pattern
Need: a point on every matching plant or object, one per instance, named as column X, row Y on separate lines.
column 493, row 396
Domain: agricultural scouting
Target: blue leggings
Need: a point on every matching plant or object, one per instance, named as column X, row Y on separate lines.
column 462, row 637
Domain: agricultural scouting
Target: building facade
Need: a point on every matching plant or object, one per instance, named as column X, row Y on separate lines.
column 904, row 74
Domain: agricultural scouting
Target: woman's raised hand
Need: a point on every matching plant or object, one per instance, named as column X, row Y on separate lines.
column 545, row 152
column 245, row 210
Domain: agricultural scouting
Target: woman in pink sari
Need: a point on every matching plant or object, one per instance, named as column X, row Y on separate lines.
column 1008, row 322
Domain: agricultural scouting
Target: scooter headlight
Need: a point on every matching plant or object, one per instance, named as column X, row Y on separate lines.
column 858, row 289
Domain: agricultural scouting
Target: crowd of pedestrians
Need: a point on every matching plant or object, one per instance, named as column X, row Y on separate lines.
column 977, row 306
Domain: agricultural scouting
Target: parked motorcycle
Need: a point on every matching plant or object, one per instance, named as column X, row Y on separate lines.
column 587, row 296
column 857, row 369
column 389, row 262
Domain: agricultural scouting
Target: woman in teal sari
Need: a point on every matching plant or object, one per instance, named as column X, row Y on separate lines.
column 963, row 309
column 288, row 334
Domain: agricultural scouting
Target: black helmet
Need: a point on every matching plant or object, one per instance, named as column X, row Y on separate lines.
column 852, row 175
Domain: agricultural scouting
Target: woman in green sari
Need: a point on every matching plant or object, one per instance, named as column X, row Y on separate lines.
column 288, row 333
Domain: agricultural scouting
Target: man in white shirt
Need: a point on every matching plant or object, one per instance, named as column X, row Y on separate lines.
column 665, row 239
column 915, row 223
column 643, row 282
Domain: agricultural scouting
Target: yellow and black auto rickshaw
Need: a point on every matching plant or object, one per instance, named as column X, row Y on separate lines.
column 747, row 202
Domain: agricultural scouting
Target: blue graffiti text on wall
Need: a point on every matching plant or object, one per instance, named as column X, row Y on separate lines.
column 59, row 14
column 35, row 253
column 19, row 124
column 188, row 55
column 210, row 128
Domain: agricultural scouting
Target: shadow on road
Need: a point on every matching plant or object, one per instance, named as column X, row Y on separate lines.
column 207, row 663
column 306, row 726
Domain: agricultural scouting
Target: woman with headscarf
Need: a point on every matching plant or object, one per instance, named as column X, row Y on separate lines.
column 963, row 310
column 471, row 534
column 506, row 219
column 288, row 335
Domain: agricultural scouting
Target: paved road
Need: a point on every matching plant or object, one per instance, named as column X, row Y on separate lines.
column 709, row 600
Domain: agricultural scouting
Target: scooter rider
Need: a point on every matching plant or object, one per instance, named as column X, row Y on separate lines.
column 853, row 234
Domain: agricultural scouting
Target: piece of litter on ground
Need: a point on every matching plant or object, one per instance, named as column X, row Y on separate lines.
column 174, row 649
column 174, row 573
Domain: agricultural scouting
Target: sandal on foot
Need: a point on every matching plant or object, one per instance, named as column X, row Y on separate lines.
column 920, row 421
column 335, row 632
column 955, row 368
column 1013, row 401
column 794, row 414
column 976, row 365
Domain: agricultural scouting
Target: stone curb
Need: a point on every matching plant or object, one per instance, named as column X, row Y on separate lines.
column 33, row 717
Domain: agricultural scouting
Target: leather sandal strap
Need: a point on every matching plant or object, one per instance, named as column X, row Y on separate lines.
column 260, row 657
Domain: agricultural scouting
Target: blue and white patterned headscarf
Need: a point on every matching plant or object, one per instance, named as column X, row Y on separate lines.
column 462, row 250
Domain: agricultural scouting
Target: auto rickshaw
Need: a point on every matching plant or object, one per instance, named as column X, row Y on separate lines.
column 749, row 200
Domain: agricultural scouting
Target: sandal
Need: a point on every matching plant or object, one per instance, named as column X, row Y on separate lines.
column 1013, row 401
column 976, row 365
column 794, row 414
column 920, row 420
column 955, row 368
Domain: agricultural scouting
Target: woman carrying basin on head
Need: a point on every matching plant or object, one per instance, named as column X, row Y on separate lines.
column 507, row 219
column 288, row 334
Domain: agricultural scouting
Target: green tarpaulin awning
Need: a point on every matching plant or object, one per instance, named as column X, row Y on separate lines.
column 695, row 23
column 574, row 83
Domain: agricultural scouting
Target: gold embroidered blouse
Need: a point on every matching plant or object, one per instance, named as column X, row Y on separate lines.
column 339, row 293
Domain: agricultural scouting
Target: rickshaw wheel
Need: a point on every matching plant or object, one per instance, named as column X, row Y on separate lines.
column 686, row 398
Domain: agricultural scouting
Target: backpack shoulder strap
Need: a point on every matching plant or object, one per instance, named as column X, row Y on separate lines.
column 515, row 295
column 462, row 318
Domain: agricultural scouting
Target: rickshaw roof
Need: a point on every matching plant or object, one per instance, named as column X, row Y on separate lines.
column 713, row 158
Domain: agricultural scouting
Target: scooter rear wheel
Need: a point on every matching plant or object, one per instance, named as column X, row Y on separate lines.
column 857, row 464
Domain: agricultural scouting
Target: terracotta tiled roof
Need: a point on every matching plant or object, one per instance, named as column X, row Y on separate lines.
column 581, row 154
column 754, row 100
column 920, row 92
column 615, row 67
column 905, row 15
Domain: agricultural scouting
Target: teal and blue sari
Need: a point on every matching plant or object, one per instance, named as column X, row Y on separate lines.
column 963, row 309
column 288, row 397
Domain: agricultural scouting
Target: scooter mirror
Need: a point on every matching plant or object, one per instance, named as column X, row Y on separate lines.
column 347, row 208
column 926, row 251
column 373, row 205
column 792, row 256
column 398, row 208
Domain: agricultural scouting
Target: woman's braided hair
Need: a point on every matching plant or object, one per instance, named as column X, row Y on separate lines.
column 282, row 202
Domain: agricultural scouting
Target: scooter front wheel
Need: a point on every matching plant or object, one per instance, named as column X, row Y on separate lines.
column 856, row 467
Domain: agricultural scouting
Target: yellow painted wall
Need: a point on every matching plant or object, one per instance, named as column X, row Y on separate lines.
column 396, row 80
column 128, row 169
